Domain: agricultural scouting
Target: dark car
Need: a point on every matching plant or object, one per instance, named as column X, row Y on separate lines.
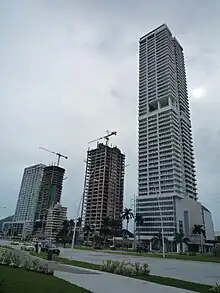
column 50, row 246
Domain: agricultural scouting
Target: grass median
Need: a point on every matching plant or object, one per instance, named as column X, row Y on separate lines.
column 151, row 278
column 16, row 280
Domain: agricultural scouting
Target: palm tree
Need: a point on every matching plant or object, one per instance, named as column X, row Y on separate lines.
column 64, row 232
column 116, row 226
column 139, row 222
column 179, row 238
column 127, row 215
column 71, row 225
column 79, row 222
column 198, row 229
column 87, row 229
column 158, row 239
column 106, row 229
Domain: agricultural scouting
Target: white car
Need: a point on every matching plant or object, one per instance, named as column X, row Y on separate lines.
column 28, row 247
column 14, row 243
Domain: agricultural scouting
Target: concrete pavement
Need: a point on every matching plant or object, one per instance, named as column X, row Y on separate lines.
column 108, row 283
column 199, row 272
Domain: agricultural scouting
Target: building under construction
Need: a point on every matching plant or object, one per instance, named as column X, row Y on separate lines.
column 50, row 191
column 104, row 185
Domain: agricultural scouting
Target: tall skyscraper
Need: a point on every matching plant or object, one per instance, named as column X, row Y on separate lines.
column 166, row 174
column 50, row 191
column 28, row 197
column 104, row 185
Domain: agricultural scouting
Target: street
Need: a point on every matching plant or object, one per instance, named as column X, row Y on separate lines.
column 194, row 271
column 199, row 272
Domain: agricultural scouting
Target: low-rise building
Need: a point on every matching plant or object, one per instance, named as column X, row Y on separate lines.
column 55, row 217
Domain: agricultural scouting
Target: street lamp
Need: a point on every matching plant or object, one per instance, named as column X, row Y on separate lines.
column 75, row 224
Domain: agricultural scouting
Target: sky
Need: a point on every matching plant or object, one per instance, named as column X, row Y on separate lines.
column 69, row 72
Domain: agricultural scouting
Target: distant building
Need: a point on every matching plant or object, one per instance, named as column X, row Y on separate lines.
column 104, row 185
column 7, row 219
column 25, row 211
column 217, row 234
column 50, row 191
column 208, row 223
column 55, row 217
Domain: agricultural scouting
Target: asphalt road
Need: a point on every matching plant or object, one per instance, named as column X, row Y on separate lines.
column 200, row 272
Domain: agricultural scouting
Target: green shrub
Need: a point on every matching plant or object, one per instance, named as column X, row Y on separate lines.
column 215, row 288
column 125, row 268
column 11, row 258
column 192, row 254
column 216, row 251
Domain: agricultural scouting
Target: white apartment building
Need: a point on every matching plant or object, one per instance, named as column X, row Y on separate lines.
column 166, row 172
column 28, row 198
column 55, row 217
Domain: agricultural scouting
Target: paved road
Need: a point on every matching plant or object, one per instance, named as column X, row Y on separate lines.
column 100, row 282
column 200, row 272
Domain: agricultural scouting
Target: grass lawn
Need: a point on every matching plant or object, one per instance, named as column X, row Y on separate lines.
column 152, row 278
column 21, row 281
column 170, row 255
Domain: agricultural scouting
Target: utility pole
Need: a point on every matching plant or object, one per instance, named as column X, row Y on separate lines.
column 134, row 221
column 75, row 224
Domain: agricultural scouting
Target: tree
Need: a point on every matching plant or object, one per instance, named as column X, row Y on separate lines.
column 179, row 238
column 79, row 222
column 158, row 239
column 106, row 229
column 71, row 225
column 64, row 232
column 127, row 215
column 116, row 226
column 198, row 229
column 87, row 229
column 139, row 222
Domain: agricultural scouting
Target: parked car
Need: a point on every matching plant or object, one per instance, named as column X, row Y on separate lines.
column 28, row 247
column 50, row 246
column 14, row 243
column 112, row 247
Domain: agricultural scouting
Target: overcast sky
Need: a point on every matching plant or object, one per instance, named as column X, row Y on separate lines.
column 68, row 72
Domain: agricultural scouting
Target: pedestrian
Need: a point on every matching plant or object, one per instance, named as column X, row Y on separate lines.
column 36, row 247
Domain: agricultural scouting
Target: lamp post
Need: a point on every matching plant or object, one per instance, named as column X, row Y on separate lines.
column 75, row 224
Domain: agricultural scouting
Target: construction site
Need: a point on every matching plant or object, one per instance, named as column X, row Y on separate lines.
column 104, row 183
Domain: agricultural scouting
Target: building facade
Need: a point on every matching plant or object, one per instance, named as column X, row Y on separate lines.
column 104, row 185
column 55, row 217
column 50, row 191
column 208, row 223
column 166, row 171
column 28, row 198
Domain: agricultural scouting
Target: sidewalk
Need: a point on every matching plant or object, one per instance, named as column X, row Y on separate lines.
column 101, row 282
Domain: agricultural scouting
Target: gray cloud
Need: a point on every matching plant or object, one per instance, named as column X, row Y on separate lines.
column 64, row 65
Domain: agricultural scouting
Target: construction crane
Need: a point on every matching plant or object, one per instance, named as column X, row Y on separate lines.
column 106, row 137
column 59, row 155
